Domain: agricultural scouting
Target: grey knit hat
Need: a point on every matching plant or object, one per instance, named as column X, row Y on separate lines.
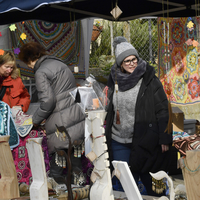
column 123, row 49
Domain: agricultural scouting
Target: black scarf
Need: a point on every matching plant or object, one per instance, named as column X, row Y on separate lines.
column 127, row 81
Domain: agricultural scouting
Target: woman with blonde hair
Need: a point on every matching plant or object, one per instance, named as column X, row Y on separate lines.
column 12, row 89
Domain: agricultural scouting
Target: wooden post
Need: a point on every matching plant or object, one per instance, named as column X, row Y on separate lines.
column 8, row 183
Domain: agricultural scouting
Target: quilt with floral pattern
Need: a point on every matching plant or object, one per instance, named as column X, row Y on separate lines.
column 179, row 69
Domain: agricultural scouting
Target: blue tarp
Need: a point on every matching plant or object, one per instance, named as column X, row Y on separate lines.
column 25, row 5
column 13, row 11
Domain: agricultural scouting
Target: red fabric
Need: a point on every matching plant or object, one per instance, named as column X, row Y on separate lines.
column 16, row 94
column 20, row 157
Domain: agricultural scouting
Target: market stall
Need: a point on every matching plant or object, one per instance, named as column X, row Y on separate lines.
column 69, row 11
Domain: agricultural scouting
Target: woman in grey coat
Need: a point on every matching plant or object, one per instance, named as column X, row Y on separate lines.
column 54, row 81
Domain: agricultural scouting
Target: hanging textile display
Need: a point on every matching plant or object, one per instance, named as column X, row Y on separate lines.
column 61, row 40
column 179, row 71
column 21, row 160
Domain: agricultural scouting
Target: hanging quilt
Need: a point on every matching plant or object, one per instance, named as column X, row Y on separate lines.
column 178, row 64
column 61, row 40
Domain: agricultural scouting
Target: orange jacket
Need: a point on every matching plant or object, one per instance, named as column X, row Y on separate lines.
column 16, row 94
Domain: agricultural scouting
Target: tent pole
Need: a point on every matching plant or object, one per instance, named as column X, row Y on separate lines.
column 82, row 12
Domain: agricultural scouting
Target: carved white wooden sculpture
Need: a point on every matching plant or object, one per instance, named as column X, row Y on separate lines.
column 123, row 173
column 38, row 188
column 8, row 182
column 101, row 177
column 179, row 189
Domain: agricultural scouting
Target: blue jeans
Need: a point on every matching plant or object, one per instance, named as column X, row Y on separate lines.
column 121, row 152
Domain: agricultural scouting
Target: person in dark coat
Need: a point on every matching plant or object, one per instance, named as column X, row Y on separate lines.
column 54, row 81
column 137, row 116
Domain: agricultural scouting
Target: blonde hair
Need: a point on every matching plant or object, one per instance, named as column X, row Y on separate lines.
column 10, row 57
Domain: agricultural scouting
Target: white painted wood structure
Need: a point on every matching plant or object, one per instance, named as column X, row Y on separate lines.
column 101, row 177
column 123, row 173
column 38, row 189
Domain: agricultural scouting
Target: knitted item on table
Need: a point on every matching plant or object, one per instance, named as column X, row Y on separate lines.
column 179, row 134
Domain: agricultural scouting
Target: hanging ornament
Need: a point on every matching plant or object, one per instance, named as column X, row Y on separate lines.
column 116, row 12
column 23, row 36
column 12, row 27
column 190, row 26
column 16, row 51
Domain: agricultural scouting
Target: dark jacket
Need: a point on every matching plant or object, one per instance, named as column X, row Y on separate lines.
column 54, row 81
column 151, row 119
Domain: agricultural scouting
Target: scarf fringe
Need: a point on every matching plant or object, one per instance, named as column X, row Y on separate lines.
column 117, row 117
